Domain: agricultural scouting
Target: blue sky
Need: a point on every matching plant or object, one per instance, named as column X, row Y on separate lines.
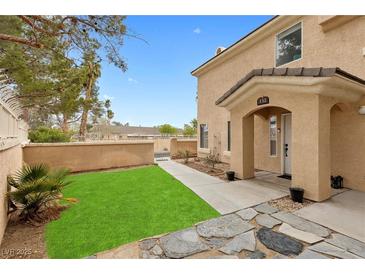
column 158, row 87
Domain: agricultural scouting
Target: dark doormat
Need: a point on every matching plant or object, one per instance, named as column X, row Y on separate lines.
column 285, row 176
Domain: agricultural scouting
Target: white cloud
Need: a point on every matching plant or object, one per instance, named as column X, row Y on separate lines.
column 106, row 97
column 197, row 30
column 130, row 79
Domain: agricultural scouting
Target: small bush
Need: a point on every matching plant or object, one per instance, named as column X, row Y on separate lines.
column 48, row 135
column 185, row 155
column 36, row 191
column 212, row 159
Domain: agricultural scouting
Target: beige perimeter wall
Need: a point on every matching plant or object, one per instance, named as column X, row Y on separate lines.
column 10, row 161
column 90, row 156
column 177, row 145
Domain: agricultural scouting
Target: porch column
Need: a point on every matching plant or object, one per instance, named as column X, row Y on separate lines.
column 242, row 150
column 311, row 158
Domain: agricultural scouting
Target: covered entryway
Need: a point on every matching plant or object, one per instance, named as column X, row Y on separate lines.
column 272, row 145
column 308, row 96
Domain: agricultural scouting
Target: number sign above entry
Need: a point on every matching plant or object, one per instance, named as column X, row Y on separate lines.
column 263, row 100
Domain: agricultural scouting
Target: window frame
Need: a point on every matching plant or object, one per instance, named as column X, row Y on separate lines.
column 229, row 136
column 276, row 44
column 201, row 138
column 276, row 135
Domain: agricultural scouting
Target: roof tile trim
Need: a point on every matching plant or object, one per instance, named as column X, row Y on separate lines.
column 298, row 72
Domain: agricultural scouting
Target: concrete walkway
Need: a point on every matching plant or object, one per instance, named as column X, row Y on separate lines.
column 344, row 213
column 223, row 196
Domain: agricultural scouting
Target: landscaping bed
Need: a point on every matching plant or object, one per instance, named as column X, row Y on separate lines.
column 23, row 241
column 199, row 164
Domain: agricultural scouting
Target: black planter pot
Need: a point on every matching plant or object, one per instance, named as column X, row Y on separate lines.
column 296, row 194
column 230, row 175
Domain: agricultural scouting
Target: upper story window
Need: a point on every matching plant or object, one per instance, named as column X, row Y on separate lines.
column 203, row 136
column 273, row 135
column 289, row 45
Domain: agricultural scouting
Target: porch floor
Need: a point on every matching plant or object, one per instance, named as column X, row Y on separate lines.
column 344, row 213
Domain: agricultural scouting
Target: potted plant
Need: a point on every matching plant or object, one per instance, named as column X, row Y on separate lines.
column 296, row 194
column 230, row 175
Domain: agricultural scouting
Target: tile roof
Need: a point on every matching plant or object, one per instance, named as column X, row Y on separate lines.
column 299, row 72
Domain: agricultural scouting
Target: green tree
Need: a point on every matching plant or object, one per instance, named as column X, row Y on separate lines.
column 190, row 129
column 48, row 135
column 167, row 129
column 90, row 97
column 42, row 55
column 194, row 124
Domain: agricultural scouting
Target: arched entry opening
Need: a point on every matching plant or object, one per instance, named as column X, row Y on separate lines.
column 268, row 143
column 345, row 138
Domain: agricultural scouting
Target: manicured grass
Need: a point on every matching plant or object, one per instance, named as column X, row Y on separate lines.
column 115, row 208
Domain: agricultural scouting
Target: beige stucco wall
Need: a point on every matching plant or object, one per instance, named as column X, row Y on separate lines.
column 10, row 161
column 161, row 144
column 339, row 46
column 182, row 145
column 90, row 156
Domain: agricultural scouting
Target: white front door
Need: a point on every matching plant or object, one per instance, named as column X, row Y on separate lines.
column 287, row 143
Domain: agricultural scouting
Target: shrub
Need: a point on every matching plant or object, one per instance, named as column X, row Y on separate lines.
column 48, row 135
column 36, row 190
column 212, row 159
column 185, row 155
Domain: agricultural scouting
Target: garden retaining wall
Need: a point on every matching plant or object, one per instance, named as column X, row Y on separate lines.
column 90, row 156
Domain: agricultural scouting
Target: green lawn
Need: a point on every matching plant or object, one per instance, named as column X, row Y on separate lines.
column 115, row 208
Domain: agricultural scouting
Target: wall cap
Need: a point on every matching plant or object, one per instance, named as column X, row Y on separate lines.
column 101, row 143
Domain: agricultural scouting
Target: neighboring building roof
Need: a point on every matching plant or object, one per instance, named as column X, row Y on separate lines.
column 239, row 41
column 299, row 72
column 127, row 130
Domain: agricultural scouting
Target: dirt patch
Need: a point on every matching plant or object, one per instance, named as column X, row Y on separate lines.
column 286, row 204
column 199, row 164
column 23, row 241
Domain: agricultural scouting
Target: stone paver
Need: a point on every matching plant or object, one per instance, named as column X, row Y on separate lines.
column 309, row 254
column 279, row 242
column 266, row 208
column 156, row 250
column 182, row 243
column 147, row 244
column 267, row 220
column 226, row 226
column 347, row 243
column 247, row 214
column 257, row 254
column 301, row 224
column 332, row 250
column 215, row 242
column 244, row 241
column 299, row 234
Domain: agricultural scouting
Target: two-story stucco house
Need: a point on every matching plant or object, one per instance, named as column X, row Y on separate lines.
column 289, row 98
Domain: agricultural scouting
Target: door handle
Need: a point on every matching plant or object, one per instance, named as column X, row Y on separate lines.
column 286, row 150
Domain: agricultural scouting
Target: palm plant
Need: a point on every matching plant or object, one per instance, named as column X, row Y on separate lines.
column 36, row 189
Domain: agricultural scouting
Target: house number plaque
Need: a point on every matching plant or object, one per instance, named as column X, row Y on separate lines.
column 263, row 100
